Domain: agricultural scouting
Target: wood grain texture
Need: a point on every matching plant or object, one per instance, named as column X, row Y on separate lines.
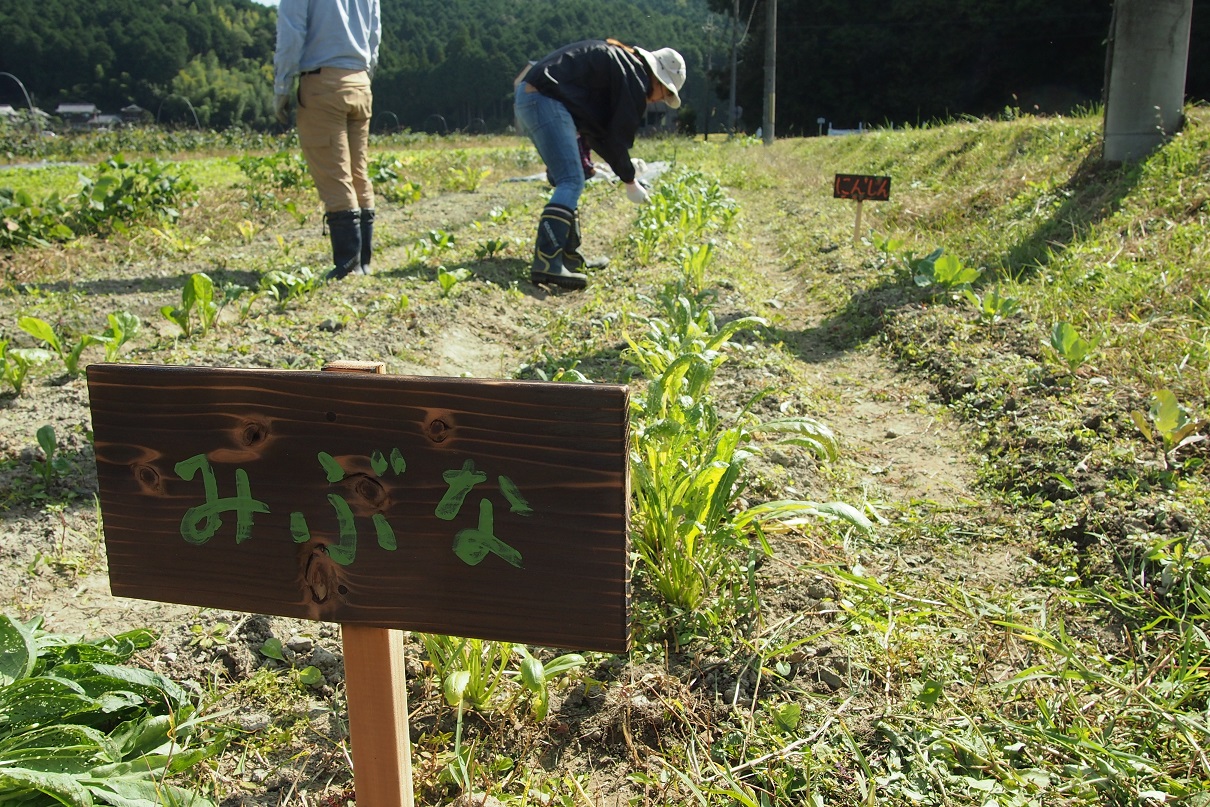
column 558, row 450
column 376, row 687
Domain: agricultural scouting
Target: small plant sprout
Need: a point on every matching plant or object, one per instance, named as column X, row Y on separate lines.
column 992, row 306
column 450, row 278
column 437, row 242
column 536, row 677
column 1170, row 425
column 123, row 325
column 490, row 247
column 178, row 244
column 54, row 464
column 247, row 231
column 42, row 330
column 198, row 292
column 468, row 178
column 15, row 363
column 889, row 246
column 946, row 271
column 1071, row 347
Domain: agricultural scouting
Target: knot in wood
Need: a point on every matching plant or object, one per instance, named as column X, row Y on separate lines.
column 148, row 477
column 253, row 433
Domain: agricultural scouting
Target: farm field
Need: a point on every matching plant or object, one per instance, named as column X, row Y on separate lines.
column 982, row 407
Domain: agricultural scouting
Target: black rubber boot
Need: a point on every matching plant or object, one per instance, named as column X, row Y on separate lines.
column 553, row 229
column 572, row 258
column 367, row 238
column 345, row 232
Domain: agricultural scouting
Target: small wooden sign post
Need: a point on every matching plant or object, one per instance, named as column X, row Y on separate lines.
column 861, row 187
column 479, row 508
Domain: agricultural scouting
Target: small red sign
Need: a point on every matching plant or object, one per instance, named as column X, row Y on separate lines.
column 861, row 187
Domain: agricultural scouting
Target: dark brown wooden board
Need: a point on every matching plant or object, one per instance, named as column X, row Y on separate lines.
column 556, row 576
column 862, row 187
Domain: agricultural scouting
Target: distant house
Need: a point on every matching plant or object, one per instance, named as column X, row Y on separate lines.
column 134, row 114
column 78, row 115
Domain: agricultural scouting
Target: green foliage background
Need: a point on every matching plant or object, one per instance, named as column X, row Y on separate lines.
column 448, row 64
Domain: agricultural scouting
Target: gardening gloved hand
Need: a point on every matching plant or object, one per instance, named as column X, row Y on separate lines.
column 281, row 105
column 636, row 193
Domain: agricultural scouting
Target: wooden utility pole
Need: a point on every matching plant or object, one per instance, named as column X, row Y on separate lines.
column 770, row 70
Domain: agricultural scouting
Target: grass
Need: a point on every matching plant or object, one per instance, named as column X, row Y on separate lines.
column 1038, row 639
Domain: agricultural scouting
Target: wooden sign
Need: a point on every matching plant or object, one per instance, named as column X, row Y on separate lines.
column 479, row 508
column 861, row 187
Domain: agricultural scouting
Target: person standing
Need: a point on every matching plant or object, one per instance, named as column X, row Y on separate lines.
column 597, row 89
column 332, row 46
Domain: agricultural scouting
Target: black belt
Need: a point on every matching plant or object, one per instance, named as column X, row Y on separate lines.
column 310, row 72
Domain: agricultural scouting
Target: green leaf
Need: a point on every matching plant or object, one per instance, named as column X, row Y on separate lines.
column 1140, row 420
column 787, row 717
column 41, row 330
column 46, row 439
column 64, row 788
column 17, row 651
column 533, row 676
column 68, row 748
column 311, row 676
column 141, row 736
column 1166, row 412
column 143, row 793
column 930, row 693
column 272, row 648
column 563, row 664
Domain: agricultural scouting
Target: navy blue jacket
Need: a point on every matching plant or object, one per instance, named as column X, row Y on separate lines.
column 605, row 88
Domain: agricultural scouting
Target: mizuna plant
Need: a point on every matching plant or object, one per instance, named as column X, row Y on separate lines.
column 688, row 467
column 684, row 209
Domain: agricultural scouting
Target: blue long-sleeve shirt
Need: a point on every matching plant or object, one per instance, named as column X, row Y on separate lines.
column 325, row 33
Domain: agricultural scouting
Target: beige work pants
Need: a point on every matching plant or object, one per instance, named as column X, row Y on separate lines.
column 334, row 108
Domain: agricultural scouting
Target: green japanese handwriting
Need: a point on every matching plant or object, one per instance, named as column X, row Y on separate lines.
column 474, row 545
column 241, row 503
column 460, row 483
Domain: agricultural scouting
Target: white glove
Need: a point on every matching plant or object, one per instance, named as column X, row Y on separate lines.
column 281, row 105
column 636, row 193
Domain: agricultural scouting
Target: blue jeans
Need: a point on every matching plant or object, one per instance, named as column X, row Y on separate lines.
column 550, row 127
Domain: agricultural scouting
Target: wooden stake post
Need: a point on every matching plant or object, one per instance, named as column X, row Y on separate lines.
column 861, row 187
column 479, row 508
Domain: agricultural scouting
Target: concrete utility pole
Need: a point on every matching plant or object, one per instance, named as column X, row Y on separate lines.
column 1145, row 69
column 771, row 70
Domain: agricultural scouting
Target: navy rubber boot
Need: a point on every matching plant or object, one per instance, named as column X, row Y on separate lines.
column 553, row 229
column 344, row 229
column 367, row 238
column 572, row 258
